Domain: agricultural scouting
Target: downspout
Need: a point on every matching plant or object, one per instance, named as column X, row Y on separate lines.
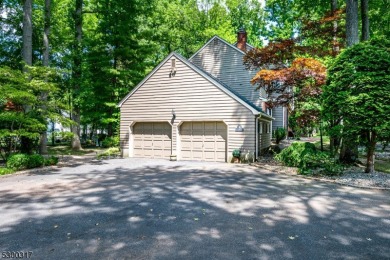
column 257, row 136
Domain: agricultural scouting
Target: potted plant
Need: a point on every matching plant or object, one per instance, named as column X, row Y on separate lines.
column 236, row 155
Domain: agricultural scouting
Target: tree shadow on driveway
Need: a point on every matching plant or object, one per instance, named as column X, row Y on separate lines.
column 186, row 210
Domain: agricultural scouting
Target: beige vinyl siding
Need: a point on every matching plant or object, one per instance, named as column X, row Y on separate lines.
column 280, row 117
column 193, row 98
column 225, row 63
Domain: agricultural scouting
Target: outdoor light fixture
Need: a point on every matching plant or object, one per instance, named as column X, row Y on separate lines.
column 173, row 116
column 239, row 128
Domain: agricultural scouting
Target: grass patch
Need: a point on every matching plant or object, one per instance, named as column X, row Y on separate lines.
column 67, row 150
column 382, row 166
column 4, row 171
column 325, row 140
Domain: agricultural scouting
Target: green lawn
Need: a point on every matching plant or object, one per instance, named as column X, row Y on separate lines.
column 66, row 150
column 382, row 166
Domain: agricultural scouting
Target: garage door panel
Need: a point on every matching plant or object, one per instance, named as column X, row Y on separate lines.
column 152, row 140
column 197, row 155
column 204, row 141
column 220, row 156
column 197, row 145
column 197, row 126
column 209, row 146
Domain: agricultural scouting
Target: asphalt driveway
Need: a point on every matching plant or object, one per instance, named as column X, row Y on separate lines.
column 156, row 209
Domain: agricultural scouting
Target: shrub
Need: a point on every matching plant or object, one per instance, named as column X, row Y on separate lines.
column 293, row 155
column 4, row 171
column 18, row 161
column 280, row 134
column 52, row 160
column 307, row 158
column 113, row 151
column 22, row 161
column 111, row 142
column 35, row 160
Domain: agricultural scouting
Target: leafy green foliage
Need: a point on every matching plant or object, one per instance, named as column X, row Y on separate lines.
column 110, row 152
column 358, row 93
column 294, row 154
column 280, row 134
column 23, row 114
column 21, row 161
column 4, row 171
column 18, row 162
column 52, row 160
column 307, row 159
column 110, row 142
column 35, row 160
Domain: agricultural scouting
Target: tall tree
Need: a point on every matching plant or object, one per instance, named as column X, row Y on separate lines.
column 76, row 74
column 27, row 32
column 357, row 91
column 365, row 20
column 45, row 63
column 352, row 22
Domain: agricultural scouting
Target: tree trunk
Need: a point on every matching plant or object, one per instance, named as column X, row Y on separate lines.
column 365, row 21
column 27, row 32
column 45, row 62
column 348, row 151
column 76, row 73
column 26, row 143
column 371, row 153
column 335, row 45
column 352, row 22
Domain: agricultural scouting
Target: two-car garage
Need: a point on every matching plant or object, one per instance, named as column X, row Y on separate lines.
column 200, row 141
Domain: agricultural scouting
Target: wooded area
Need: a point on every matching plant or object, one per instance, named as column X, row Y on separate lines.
column 73, row 61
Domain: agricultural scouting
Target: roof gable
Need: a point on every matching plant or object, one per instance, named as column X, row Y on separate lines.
column 210, row 42
column 254, row 109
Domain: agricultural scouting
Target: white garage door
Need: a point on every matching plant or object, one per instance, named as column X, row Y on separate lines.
column 152, row 140
column 203, row 141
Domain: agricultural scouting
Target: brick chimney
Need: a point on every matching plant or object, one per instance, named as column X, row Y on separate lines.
column 241, row 39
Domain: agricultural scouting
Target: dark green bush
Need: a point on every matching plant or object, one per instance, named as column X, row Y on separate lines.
column 293, row 155
column 35, row 160
column 280, row 134
column 52, row 160
column 111, row 142
column 307, row 158
column 22, row 161
column 18, row 161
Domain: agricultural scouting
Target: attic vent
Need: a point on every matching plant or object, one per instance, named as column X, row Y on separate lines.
column 173, row 64
column 173, row 67
column 215, row 42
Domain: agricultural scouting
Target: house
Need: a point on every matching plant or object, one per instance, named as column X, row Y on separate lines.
column 201, row 108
